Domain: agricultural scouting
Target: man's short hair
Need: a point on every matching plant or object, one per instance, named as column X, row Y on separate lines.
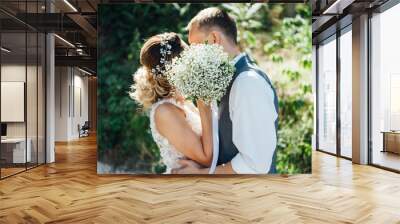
column 215, row 17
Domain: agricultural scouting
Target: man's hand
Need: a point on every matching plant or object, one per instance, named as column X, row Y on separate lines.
column 189, row 167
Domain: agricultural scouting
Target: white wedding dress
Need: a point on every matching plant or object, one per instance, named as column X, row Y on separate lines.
column 169, row 155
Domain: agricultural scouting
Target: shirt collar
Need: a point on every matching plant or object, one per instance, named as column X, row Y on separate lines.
column 238, row 57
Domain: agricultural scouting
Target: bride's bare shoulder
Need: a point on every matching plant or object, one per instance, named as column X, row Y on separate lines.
column 168, row 112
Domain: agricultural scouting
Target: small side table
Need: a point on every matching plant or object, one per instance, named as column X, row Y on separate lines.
column 391, row 141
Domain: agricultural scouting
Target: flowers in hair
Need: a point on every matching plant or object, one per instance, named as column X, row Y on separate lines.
column 165, row 49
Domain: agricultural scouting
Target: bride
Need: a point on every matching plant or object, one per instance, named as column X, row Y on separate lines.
column 180, row 130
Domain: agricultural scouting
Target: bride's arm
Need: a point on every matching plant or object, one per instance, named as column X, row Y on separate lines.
column 206, row 127
column 171, row 123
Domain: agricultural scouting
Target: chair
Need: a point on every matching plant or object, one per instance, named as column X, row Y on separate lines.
column 84, row 130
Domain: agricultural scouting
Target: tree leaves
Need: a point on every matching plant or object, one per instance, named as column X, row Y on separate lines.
column 296, row 107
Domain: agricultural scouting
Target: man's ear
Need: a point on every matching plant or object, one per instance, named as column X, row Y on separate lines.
column 216, row 37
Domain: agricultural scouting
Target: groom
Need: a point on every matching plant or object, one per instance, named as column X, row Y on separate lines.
column 248, row 112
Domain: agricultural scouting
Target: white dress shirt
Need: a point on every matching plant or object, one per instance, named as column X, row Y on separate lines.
column 253, row 115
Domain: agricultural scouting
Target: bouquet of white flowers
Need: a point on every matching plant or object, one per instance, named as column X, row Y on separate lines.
column 202, row 71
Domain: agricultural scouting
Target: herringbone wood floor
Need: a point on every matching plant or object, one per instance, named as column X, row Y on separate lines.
column 70, row 191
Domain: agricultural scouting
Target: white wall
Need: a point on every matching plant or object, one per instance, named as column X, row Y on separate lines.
column 80, row 94
column 12, row 73
column 61, row 103
column 71, row 87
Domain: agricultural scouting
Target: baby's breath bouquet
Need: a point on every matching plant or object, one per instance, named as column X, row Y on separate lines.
column 203, row 71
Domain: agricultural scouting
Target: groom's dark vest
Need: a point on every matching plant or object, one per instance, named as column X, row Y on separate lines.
column 227, row 149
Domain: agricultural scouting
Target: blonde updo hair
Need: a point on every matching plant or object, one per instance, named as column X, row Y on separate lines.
column 148, row 88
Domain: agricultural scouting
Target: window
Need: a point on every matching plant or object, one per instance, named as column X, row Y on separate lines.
column 22, row 77
column 385, row 89
column 327, row 96
column 346, row 93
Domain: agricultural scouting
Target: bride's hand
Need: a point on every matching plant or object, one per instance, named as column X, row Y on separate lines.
column 203, row 105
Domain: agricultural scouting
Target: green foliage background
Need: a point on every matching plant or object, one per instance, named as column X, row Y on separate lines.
column 124, row 139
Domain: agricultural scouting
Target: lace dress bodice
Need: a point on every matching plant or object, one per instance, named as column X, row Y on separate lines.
column 169, row 155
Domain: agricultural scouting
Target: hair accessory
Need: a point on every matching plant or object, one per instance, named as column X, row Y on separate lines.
column 165, row 49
